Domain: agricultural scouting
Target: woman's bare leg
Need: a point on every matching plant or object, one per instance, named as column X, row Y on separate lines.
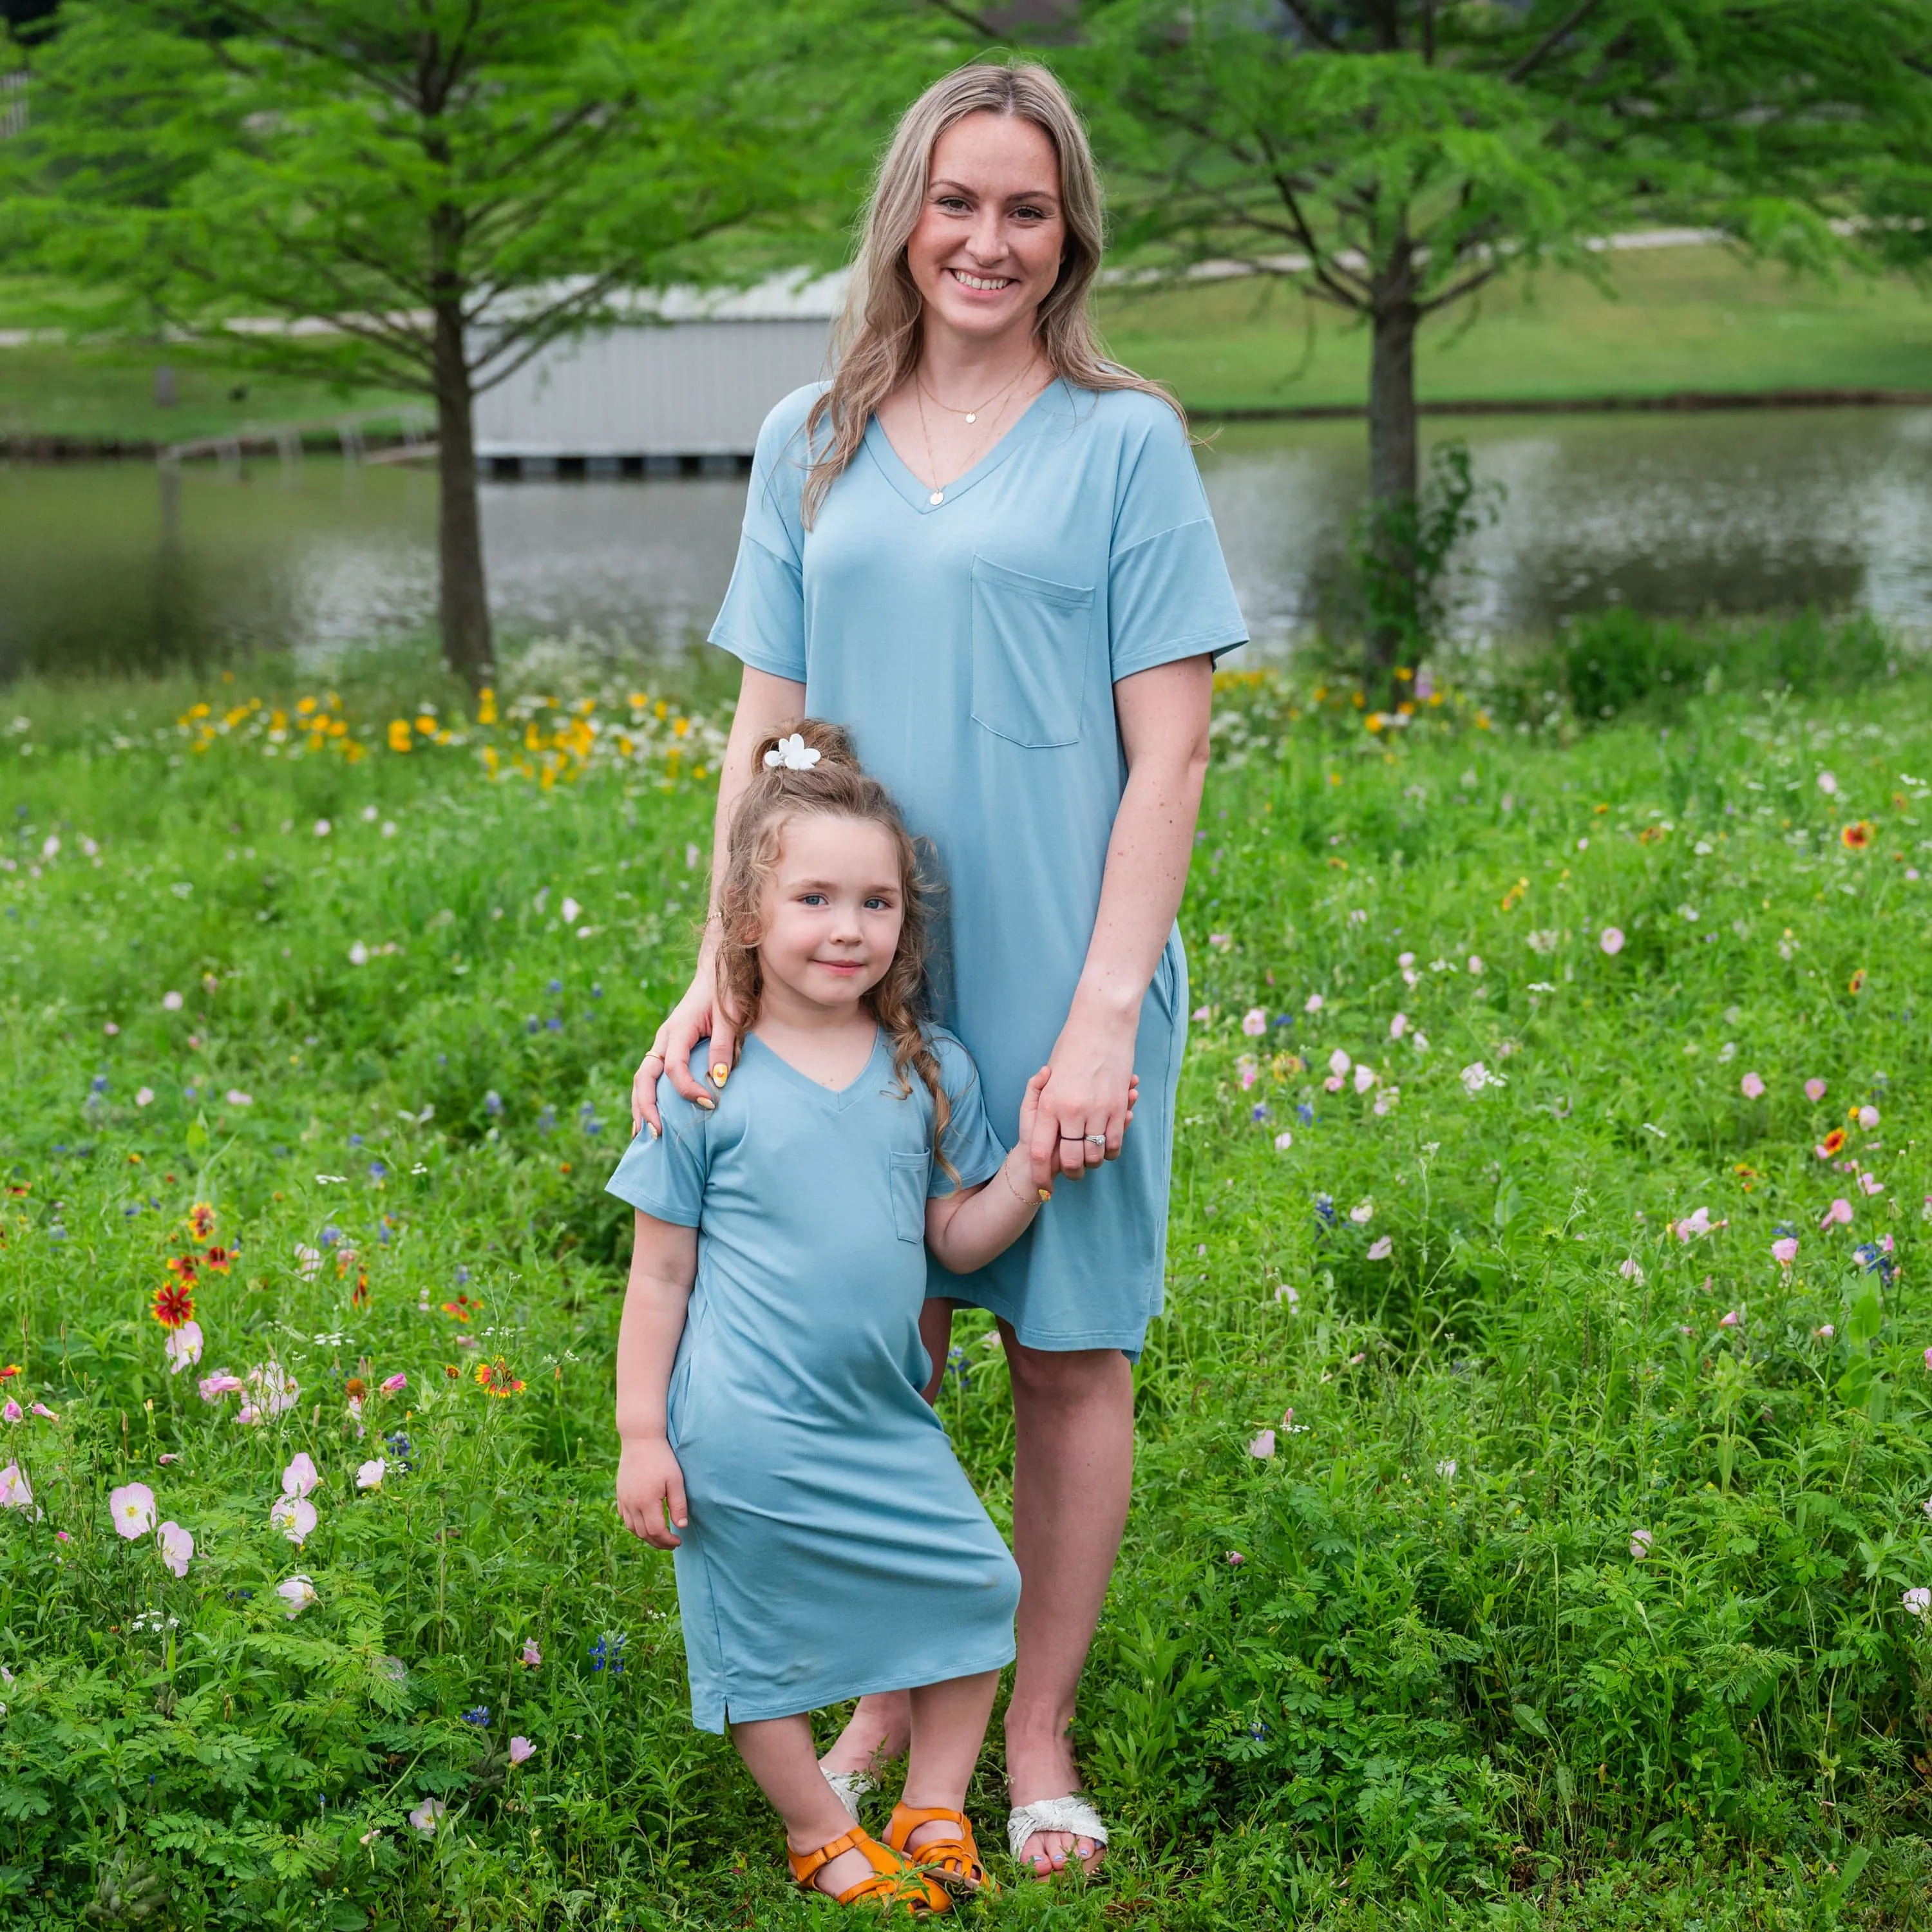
column 1073, row 1419
column 880, row 1726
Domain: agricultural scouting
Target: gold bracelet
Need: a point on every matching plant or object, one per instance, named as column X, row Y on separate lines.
column 1045, row 1194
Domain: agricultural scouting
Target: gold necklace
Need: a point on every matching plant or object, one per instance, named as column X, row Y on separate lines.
column 972, row 416
column 937, row 494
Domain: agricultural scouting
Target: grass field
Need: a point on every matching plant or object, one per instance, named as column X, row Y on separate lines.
column 1686, row 318
column 1517, row 1540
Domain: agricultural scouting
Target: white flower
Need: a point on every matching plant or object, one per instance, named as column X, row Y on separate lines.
column 1363, row 1212
column 308, row 1261
column 1381, row 1249
column 793, row 753
column 1827, row 783
column 1398, row 1026
column 1631, row 1269
column 358, row 954
column 570, row 909
column 144, row 1097
column 322, row 828
column 1292, row 1296
column 1365, row 1078
column 426, row 1815
column 1283, row 1141
column 1639, row 1544
column 1339, row 1063
column 1918, row 1601
column 297, row 1592
column 183, row 1347
column 1419, row 1041
column 1477, row 1076
column 1543, row 942
column 171, row 1003
column 1446, row 1469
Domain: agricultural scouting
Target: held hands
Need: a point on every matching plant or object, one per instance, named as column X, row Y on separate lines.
column 649, row 1483
column 1087, row 1104
column 1027, row 1170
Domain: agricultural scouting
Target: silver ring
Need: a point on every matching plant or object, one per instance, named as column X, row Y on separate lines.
column 1096, row 1140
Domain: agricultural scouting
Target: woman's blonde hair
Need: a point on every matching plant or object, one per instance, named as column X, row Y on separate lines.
column 876, row 342
column 836, row 787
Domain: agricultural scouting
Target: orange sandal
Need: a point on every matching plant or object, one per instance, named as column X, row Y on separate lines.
column 953, row 1860
column 894, row 1881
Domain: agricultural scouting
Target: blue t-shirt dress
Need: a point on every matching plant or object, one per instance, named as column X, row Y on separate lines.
column 836, row 1547
column 969, row 639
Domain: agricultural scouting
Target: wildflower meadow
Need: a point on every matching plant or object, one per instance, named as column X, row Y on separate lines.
column 1533, row 1521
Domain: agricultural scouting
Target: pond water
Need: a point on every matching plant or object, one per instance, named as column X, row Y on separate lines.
column 115, row 566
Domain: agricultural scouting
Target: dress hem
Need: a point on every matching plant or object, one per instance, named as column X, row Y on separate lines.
column 726, row 1716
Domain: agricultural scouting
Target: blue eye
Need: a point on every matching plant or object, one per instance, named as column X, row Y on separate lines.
column 811, row 898
column 876, row 904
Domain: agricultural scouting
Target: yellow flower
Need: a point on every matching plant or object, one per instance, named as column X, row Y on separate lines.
column 427, row 726
column 486, row 706
column 400, row 739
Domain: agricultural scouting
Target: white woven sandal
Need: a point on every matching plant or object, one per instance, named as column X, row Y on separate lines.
column 849, row 1786
column 1070, row 1813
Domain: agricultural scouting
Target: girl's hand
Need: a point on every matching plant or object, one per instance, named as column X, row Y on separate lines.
column 1092, row 1092
column 1039, row 1170
column 700, row 1012
column 649, row 1483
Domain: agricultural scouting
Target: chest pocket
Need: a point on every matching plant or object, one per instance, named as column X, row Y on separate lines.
column 911, row 1173
column 1030, row 637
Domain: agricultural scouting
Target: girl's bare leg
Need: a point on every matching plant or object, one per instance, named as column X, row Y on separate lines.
column 778, row 1753
column 880, row 1726
column 949, row 1726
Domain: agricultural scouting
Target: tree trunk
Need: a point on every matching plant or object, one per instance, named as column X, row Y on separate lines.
column 1394, row 473
column 462, row 604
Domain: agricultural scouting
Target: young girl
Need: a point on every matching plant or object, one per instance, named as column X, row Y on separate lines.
column 768, row 1363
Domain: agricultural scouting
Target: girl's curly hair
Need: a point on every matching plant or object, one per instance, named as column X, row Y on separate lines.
column 836, row 787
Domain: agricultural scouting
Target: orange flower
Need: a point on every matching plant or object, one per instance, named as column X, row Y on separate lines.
column 463, row 1307
column 1833, row 1142
column 201, row 1220
column 181, row 1267
column 218, row 1259
column 355, row 1388
column 493, row 1377
column 172, row 1306
column 1855, row 836
column 1856, row 984
column 451, row 1370
column 360, row 1299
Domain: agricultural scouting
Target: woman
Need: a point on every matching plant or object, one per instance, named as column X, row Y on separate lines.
column 986, row 551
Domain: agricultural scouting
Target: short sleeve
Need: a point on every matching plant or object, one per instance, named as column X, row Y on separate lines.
column 762, row 619
column 970, row 1142
column 1168, row 593
column 663, row 1176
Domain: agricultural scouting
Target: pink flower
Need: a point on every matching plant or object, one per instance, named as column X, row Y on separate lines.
column 1235, row 1558
column 369, row 1475
column 1362, row 1212
column 1338, row 1062
column 394, row 1385
column 297, row 1592
column 11, row 1411
column 427, row 1815
column 1697, row 1222
column 1639, row 1544
column 1398, row 1026
column 1814, row 1091
column 1254, row 1022
column 183, row 1347
column 295, row 1516
column 1612, row 941
column 177, row 1547
column 41, row 1409
column 1868, row 1118
column 531, row 1656
column 1631, row 1269
column 1728, row 1319
column 1262, row 1446
column 1283, row 1141
column 16, row 1493
column 1918, row 1602
column 1202, row 1015
column 1221, row 941
column 301, row 1476
column 215, row 1387
column 1928, row 1358
column 1785, row 1251
column 521, row 1749
column 1827, row 1331
column 132, row 1507
column 1382, row 1248
column 1365, row 1078
column 1313, row 1004
column 1753, row 1088
column 1870, row 1183
column 1839, row 1212
column 1248, row 1072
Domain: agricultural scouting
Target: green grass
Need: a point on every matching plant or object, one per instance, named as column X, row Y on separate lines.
column 1437, row 1690
column 94, row 395
column 1686, row 318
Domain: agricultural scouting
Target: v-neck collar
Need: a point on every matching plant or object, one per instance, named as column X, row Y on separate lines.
column 838, row 1097
column 919, row 496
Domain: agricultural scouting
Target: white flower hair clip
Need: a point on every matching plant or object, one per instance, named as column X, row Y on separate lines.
column 793, row 753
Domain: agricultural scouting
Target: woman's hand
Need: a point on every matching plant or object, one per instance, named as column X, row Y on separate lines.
column 699, row 1013
column 1087, row 1103
column 649, row 1483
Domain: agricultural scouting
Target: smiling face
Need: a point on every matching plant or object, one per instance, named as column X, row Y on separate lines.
column 833, row 908
column 987, row 248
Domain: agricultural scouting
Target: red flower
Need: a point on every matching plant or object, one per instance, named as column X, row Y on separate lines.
column 11, row 1369
column 463, row 1307
column 201, row 1220
column 493, row 1377
column 218, row 1259
column 172, row 1306
column 360, row 1299
column 181, row 1267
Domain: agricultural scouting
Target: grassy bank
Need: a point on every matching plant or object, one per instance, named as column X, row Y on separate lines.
column 1572, row 1593
column 1687, row 318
